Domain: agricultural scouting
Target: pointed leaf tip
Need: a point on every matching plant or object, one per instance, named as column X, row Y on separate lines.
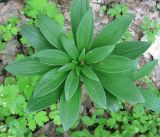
column 35, row 37
column 85, row 31
column 113, row 31
column 71, row 85
column 27, row 67
column 131, row 49
column 97, row 54
column 88, row 72
column 145, row 70
column 78, row 10
column 51, row 30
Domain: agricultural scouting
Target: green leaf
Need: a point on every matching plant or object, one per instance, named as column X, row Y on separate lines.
column 71, row 85
column 115, row 64
column 121, row 86
column 111, row 122
column 51, row 30
column 41, row 118
column 27, row 67
column 69, row 110
column 66, row 67
column 87, row 120
column 35, row 38
column 138, row 111
column 52, row 57
column 145, row 70
column 49, row 82
column 95, row 90
column 112, row 102
column 87, row 133
column 100, row 132
column 77, row 134
column 37, row 4
column 88, row 72
column 85, row 31
column 14, row 102
column 98, row 54
column 131, row 49
column 152, row 101
column 112, row 32
column 82, row 55
column 78, row 70
column 31, row 124
column 54, row 114
column 69, row 47
column 78, row 10
column 40, row 103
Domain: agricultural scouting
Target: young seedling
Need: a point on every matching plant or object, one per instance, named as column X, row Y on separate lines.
column 9, row 30
column 118, row 10
column 151, row 28
column 34, row 7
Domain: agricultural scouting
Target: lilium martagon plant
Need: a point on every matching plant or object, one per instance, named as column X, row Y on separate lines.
column 105, row 67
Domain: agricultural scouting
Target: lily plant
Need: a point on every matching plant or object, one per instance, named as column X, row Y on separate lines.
column 105, row 66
